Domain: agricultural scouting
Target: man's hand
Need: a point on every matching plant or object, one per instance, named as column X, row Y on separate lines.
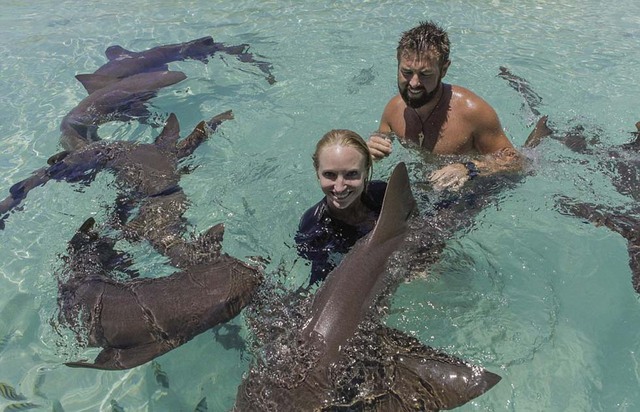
column 450, row 177
column 379, row 146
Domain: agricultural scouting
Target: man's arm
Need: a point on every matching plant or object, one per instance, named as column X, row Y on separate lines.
column 497, row 154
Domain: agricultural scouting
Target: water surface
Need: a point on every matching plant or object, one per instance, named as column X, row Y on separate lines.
column 543, row 299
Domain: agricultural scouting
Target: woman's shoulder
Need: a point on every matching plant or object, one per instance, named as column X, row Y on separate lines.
column 314, row 215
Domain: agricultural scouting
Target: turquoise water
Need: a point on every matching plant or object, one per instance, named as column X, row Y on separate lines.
column 540, row 298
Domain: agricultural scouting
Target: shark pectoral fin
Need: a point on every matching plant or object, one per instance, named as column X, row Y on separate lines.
column 452, row 384
column 200, row 133
column 93, row 82
column 58, row 157
column 118, row 359
column 429, row 377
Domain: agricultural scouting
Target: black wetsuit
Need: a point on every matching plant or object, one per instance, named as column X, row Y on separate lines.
column 323, row 239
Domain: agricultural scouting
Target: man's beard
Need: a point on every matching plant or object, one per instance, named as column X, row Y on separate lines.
column 420, row 101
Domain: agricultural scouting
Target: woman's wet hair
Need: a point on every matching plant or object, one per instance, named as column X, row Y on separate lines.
column 427, row 37
column 346, row 138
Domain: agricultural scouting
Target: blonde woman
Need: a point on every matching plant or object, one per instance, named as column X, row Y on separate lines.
column 350, row 206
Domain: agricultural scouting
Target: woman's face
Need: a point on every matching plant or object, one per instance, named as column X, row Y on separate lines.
column 342, row 173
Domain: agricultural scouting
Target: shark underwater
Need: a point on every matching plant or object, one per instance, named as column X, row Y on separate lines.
column 123, row 63
column 620, row 162
column 137, row 320
column 119, row 89
column 319, row 372
column 122, row 100
column 147, row 175
column 624, row 160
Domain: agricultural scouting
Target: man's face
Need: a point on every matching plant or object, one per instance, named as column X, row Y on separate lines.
column 419, row 78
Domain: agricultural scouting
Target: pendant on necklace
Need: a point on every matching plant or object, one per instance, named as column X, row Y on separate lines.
column 420, row 138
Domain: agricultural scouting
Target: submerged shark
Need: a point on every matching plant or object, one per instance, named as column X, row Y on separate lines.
column 531, row 99
column 138, row 320
column 122, row 100
column 403, row 374
column 124, row 63
column 147, row 175
column 119, row 89
column 621, row 161
column 624, row 160
column 624, row 222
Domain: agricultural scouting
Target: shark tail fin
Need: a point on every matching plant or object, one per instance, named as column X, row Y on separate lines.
column 18, row 192
column 397, row 205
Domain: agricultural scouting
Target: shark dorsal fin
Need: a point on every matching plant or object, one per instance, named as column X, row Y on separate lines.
column 93, row 82
column 397, row 205
column 115, row 52
column 170, row 133
column 352, row 286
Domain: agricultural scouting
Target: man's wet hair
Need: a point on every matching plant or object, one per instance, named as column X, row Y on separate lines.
column 424, row 38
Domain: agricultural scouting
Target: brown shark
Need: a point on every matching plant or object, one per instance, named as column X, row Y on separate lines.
column 119, row 89
column 138, row 320
column 120, row 100
column 147, row 175
column 124, row 63
column 403, row 374
column 622, row 159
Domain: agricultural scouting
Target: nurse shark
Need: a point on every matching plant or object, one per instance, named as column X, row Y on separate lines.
column 119, row 89
column 624, row 160
column 620, row 220
column 147, row 176
column 124, row 63
column 137, row 320
column 404, row 375
column 621, row 162
column 121, row 100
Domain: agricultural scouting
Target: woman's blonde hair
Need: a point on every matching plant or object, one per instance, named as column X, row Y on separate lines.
column 346, row 138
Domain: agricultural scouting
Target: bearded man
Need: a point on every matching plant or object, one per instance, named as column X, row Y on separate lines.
column 441, row 118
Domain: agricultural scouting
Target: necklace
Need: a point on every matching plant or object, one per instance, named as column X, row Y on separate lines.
column 422, row 122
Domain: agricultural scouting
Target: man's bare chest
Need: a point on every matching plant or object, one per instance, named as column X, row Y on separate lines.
column 445, row 136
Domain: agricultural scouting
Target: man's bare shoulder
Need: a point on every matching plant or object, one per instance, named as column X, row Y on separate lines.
column 464, row 97
column 395, row 105
column 392, row 118
column 467, row 104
